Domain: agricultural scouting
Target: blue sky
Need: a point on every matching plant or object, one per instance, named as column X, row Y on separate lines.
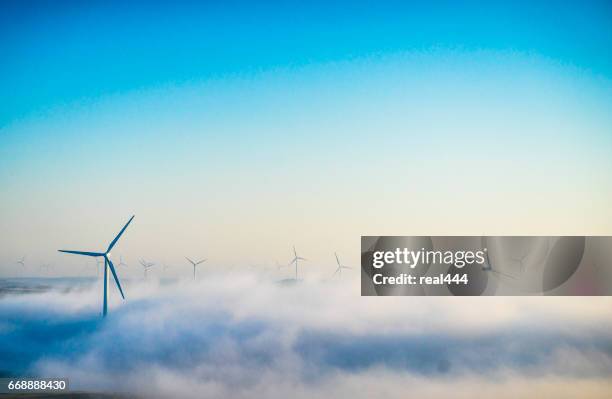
column 57, row 53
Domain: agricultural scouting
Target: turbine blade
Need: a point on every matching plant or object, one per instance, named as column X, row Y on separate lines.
column 337, row 270
column 502, row 274
column 292, row 262
column 337, row 260
column 300, row 258
column 202, row 261
column 190, row 261
column 112, row 269
column 81, row 253
column 112, row 244
column 294, row 253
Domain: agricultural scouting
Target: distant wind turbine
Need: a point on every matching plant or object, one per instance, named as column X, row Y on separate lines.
column 21, row 261
column 488, row 268
column 520, row 261
column 108, row 264
column 121, row 263
column 295, row 260
column 340, row 266
column 146, row 266
column 194, row 264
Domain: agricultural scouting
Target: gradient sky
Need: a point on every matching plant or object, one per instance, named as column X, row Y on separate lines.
column 236, row 130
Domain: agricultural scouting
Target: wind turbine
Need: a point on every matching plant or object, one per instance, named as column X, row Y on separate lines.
column 194, row 265
column 520, row 261
column 489, row 268
column 146, row 266
column 340, row 267
column 108, row 264
column 295, row 260
column 121, row 263
column 21, row 261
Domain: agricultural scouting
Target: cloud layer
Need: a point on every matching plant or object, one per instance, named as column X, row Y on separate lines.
column 241, row 335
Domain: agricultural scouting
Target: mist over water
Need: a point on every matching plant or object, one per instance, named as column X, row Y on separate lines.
column 243, row 334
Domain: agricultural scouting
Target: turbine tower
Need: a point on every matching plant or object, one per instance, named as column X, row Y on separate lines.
column 146, row 266
column 108, row 264
column 340, row 267
column 295, row 260
column 194, row 264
